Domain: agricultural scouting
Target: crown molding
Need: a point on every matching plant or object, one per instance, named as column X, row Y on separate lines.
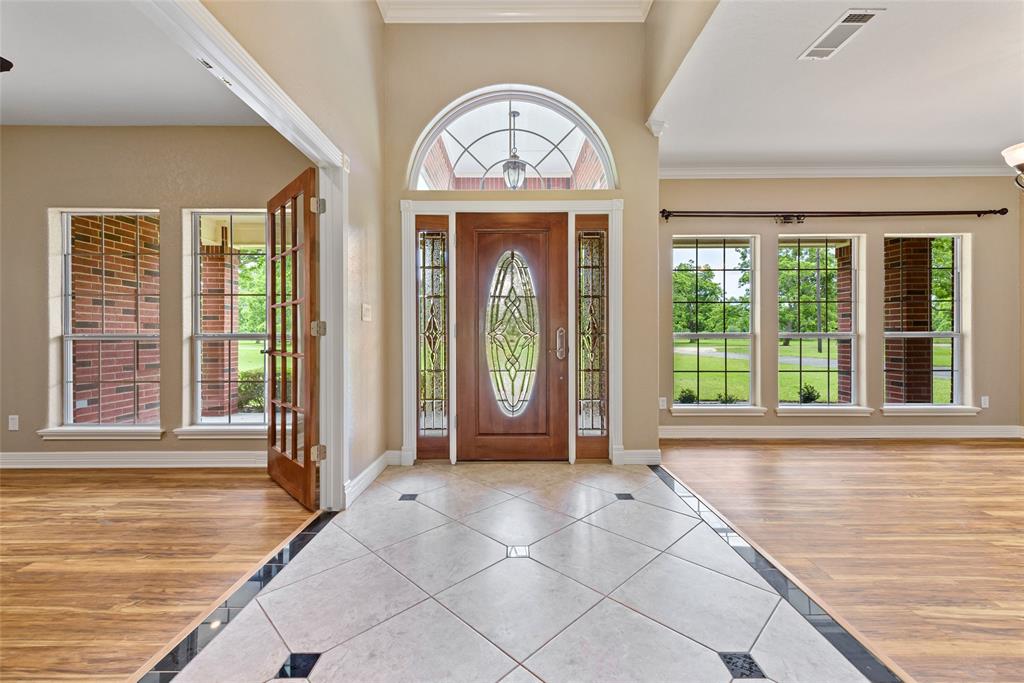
column 923, row 171
column 523, row 11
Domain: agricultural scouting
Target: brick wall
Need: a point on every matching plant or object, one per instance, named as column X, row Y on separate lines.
column 218, row 366
column 844, row 320
column 115, row 272
column 908, row 362
column 588, row 170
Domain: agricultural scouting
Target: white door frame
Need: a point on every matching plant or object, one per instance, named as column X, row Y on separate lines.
column 198, row 32
column 610, row 207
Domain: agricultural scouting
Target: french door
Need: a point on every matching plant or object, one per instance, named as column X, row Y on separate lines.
column 511, row 299
column 293, row 306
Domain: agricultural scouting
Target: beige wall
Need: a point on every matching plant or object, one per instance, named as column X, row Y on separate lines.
column 165, row 168
column 670, row 30
column 995, row 275
column 329, row 58
column 597, row 66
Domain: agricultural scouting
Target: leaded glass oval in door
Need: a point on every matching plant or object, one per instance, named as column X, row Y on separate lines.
column 512, row 332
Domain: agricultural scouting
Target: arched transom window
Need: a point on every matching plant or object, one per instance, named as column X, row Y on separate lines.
column 516, row 138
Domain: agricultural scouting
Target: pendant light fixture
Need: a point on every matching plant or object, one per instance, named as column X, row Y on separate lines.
column 514, row 168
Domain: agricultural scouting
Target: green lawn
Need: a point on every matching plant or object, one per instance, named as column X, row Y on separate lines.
column 717, row 374
column 249, row 356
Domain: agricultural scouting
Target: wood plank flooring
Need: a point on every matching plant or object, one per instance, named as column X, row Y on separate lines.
column 919, row 546
column 100, row 569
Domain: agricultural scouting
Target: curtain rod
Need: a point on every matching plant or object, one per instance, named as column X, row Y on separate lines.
column 800, row 216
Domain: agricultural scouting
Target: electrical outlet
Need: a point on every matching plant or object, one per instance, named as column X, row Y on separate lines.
column 662, row 403
column 366, row 313
column 12, row 423
column 984, row 401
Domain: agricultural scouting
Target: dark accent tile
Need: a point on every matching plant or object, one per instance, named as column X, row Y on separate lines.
column 158, row 677
column 741, row 665
column 298, row 665
column 624, row 496
column 322, row 520
column 408, row 496
column 517, row 551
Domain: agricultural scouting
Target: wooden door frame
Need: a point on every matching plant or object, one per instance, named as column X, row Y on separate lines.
column 609, row 207
column 194, row 28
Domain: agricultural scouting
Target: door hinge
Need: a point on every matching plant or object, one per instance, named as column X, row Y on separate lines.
column 319, row 453
column 318, row 328
column 318, row 205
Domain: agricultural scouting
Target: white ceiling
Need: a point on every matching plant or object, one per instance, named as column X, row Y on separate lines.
column 90, row 63
column 925, row 88
column 511, row 11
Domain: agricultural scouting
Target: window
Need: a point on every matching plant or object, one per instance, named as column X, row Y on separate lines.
column 111, row 327
column 229, row 318
column 817, row 331
column 711, row 320
column 922, row 320
column 512, row 139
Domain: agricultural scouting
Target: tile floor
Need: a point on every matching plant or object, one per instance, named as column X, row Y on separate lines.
column 523, row 572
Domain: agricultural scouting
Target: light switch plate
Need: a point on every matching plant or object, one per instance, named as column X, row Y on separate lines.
column 13, row 423
column 662, row 403
column 366, row 313
column 984, row 401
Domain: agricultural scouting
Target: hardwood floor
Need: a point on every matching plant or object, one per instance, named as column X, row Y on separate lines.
column 918, row 546
column 101, row 569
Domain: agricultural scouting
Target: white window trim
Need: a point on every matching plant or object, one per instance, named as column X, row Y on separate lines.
column 191, row 427
column 962, row 354
column 754, row 407
column 102, row 432
column 857, row 407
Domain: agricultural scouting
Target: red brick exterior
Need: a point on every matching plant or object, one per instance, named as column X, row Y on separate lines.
column 908, row 362
column 218, row 278
column 588, row 170
column 115, row 280
column 844, row 322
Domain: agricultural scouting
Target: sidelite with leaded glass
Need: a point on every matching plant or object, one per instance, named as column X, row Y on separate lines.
column 432, row 332
column 512, row 333
column 592, row 349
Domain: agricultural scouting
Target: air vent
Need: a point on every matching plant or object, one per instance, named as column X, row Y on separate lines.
column 839, row 34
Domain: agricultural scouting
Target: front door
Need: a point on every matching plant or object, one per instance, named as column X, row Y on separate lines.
column 292, row 276
column 512, row 367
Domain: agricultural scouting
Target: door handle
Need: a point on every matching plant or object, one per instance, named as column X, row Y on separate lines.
column 560, row 343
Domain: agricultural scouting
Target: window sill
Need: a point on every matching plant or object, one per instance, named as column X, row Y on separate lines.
column 222, row 432
column 102, row 432
column 824, row 411
column 922, row 410
column 689, row 411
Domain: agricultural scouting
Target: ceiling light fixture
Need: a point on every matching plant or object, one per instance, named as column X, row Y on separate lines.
column 1014, row 156
column 514, row 169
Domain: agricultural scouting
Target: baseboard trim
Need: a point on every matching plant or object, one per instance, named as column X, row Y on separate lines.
column 362, row 481
column 131, row 459
column 636, row 457
column 845, row 432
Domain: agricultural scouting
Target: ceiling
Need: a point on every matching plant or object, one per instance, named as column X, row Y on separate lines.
column 104, row 64
column 925, row 88
column 511, row 11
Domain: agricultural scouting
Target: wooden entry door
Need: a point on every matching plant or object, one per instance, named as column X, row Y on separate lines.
column 292, row 273
column 512, row 343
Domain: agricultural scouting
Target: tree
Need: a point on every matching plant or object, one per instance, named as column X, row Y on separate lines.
column 252, row 277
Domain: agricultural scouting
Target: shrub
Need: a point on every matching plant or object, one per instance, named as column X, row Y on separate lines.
column 687, row 396
column 808, row 394
column 250, row 391
column 727, row 398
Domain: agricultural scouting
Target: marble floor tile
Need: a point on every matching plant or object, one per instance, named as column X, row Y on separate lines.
column 518, row 478
column 329, row 548
column 326, row 609
column 648, row 524
column 442, row 557
column 703, row 546
column 615, row 479
column 594, row 557
column 413, row 479
column 613, row 644
column 517, row 522
column 717, row 611
column 249, row 649
column 520, row 675
column 570, row 498
column 518, row 604
column 383, row 524
column 373, row 494
column 462, row 497
column 424, row 643
column 656, row 493
column 790, row 649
